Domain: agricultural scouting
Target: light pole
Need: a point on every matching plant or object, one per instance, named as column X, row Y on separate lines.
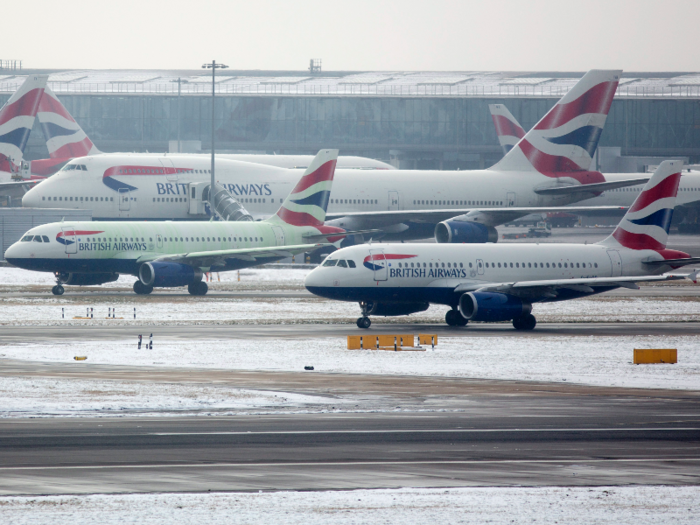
column 213, row 66
column 179, row 82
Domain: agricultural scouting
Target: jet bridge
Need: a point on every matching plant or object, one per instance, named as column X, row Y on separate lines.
column 226, row 206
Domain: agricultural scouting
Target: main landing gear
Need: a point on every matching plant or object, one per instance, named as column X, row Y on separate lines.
column 364, row 321
column 454, row 318
column 526, row 322
column 57, row 290
column 142, row 289
column 198, row 288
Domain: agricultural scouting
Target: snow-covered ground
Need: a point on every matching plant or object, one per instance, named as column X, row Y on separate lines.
column 39, row 397
column 640, row 505
column 604, row 361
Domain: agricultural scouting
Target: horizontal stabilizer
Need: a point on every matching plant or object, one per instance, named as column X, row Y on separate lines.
column 597, row 187
column 674, row 262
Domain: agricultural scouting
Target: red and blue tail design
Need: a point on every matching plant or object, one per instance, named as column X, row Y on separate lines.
column 508, row 129
column 563, row 142
column 645, row 225
column 306, row 205
column 65, row 139
column 17, row 120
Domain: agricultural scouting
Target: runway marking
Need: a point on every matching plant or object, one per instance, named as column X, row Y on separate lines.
column 359, row 463
column 417, row 431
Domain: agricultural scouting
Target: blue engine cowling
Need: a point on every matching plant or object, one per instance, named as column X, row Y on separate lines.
column 492, row 307
column 454, row 231
column 87, row 279
column 389, row 309
column 168, row 275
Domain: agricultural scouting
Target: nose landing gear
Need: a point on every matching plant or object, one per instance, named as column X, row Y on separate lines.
column 364, row 321
column 57, row 290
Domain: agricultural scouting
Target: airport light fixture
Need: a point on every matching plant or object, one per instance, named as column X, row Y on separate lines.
column 179, row 81
column 213, row 66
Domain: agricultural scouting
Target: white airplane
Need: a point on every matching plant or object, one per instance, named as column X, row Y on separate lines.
column 66, row 140
column 16, row 121
column 501, row 282
column 548, row 169
column 168, row 254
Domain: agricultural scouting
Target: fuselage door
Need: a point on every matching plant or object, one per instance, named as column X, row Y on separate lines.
column 393, row 200
column 124, row 199
column 159, row 241
column 170, row 172
column 480, row 267
column 378, row 261
column 279, row 235
column 616, row 262
column 510, row 199
column 70, row 240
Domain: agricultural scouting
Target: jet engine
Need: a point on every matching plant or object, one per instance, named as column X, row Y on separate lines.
column 455, row 231
column 492, row 307
column 389, row 309
column 87, row 279
column 168, row 274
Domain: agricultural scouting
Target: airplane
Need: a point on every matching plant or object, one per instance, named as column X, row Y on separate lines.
column 460, row 206
column 66, row 140
column 168, row 254
column 501, row 282
column 16, row 122
column 510, row 132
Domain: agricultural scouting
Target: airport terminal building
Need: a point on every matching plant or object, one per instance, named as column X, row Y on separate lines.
column 423, row 120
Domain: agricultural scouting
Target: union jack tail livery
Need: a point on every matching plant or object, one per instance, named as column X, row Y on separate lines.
column 563, row 142
column 17, row 120
column 65, row 139
column 508, row 129
column 645, row 225
column 306, row 205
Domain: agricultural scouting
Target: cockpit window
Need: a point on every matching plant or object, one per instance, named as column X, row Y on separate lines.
column 37, row 238
column 80, row 167
column 342, row 264
column 46, row 239
column 27, row 238
column 351, row 263
column 330, row 262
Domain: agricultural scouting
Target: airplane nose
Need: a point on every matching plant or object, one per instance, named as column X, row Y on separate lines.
column 31, row 199
column 11, row 253
column 312, row 280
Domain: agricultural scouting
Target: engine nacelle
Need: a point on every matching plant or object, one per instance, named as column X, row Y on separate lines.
column 492, row 307
column 168, row 275
column 454, row 231
column 87, row 279
column 389, row 309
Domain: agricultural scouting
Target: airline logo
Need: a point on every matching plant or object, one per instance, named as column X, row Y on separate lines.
column 369, row 260
column 65, row 139
column 646, row 224
column 308, row 202
column 62, row 236
column 17, row 119
column 126, row 171
column 508, row 129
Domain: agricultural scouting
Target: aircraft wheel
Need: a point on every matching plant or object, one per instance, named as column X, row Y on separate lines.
column 454, row 318
column 526, row 322
column 364, row 322
column 198, row 288
column 57, row 290
column 142, row 289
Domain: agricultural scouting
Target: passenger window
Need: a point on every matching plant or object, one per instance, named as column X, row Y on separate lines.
column 342, row 264
column 499, row 265
column 330, row 262
column 470, row 265
column 351, row 264
column 595, row 265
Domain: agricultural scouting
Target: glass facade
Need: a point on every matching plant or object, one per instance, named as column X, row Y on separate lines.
column 371, row 125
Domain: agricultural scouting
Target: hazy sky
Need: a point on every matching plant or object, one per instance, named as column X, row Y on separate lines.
column 448, row 35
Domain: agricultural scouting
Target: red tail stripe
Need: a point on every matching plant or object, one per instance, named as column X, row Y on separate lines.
column 596, row 100
column 324, row 172
column 557, row 166
column 26, row 106
column 664, row 189
column 637, row 241
column 296, row 218
column 49, row 104
column 72, row 149
column 506, row 127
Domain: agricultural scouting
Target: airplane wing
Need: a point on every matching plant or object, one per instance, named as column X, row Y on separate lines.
column 488, row 216
column 549, row 288
column 14, row 184
column 218, row 257
column 591, row 188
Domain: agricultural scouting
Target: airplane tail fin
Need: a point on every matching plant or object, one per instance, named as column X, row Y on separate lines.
column 508, row 129
column 65, row 139
column 566, row 138
column 306, row 205
column 17, row 119
column 645, row 225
